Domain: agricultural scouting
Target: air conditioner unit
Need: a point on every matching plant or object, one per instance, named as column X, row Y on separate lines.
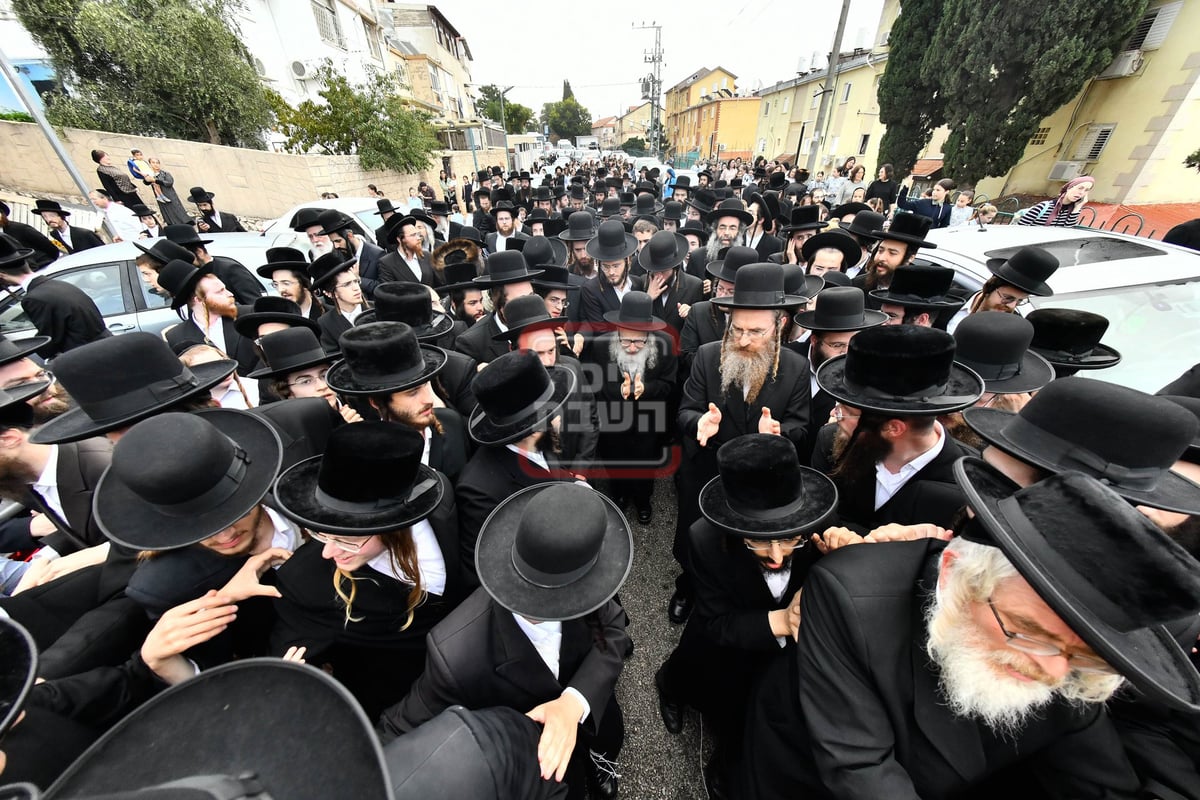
column 302, row 70
column 1126, row 63
column 1066, row 170
column 260, row 68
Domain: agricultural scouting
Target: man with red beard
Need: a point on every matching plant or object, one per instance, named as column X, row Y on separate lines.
column 208, row 311
column 896, row 247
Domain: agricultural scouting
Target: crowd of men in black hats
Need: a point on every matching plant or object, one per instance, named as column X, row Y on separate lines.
column 919, row 556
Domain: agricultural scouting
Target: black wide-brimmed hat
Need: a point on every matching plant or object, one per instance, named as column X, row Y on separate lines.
column 673, row 209
column 758, row 286
column 683, row 182
column 245, row 722
column 730, row 208
column 1192, row 405
column 271, row 308
column 836, row 239
column 666, row 250
column 177, row 479
column 184, row 235
column 695, row 228
column 391, row 228
column 609, row 207
column 197, row 194
column 121, row 380
column 636, row 313
column 647, row 204
column 800, row 286
column 385, row 206
column 611, row 242
column 164, row 251
column 581, row 226
column 11, row 351
column 907, row 228
column 291, row 350
column 505, row 267
column 762, row 492
column 1124, row 437
column 516, row 396
column 554, row 551
column 996, row 345
column 304, row 219
column 180, row 278
column 1070, row 339
column 41, row 205
column 18, row 670
column 328, row 267
column 902, row 370
column 410, row 303
column 856, row 208
column 551, row 226
column 1028, row 269
column 802, row 218
column 554, row 277
column 141, row 210
column 703, row 200
column 333, row 221
column 922, row 286
column 524, row 314
column 541, row 252
column 283, row 258
column 729, row 260
column 370, row 480
column 1109, row 573
column 12, row 253
column 866, row 224
column 383, row 358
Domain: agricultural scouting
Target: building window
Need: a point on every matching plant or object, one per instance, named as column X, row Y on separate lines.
column 766, row 108
column 724, row 83
column 816, row 98
column 1039, row 137
column 1152, row 28
column 862, row 144
column 1093, row 142
column 374, row 45
column 330, row 30
column 846, row 93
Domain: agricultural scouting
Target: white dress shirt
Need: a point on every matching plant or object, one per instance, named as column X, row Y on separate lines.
column 546, row 638
column 887, row 483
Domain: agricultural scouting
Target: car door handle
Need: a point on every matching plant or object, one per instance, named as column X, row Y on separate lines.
column 121, row 327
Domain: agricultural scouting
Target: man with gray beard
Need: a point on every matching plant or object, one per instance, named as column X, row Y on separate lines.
column 926, row 669
column 726, row 223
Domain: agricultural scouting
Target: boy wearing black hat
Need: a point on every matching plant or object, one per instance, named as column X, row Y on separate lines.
column 334, row 276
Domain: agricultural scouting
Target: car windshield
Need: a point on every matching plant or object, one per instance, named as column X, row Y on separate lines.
column 1088, row 250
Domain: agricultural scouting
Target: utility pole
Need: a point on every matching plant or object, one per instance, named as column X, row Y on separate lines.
column 652, row 85
column 504, row 127
column 829, row 90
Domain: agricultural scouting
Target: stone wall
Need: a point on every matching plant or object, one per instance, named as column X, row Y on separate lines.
column 250, row 183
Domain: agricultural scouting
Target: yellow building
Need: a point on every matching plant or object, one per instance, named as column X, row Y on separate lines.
column 719, row 129
column 633, row 123
column 701, row 86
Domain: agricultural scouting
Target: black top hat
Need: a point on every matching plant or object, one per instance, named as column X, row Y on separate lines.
column 198, row 195
column 326, row 268
column 762, row 492
column 410, row 303
column 516, row 396
column 673, row 209
column 180, row 279
column 270, row 308
column 14, row 351
column 40, row 205
column 730, row 208
column 703, row 200
column 331, row 221
column 610, row 207
column 666, row 250
column 1122, row 436
column 177, row 479
column 611, row 242
column 922, row 286
column 526, row 313
column 184, row 235
column 305, row 218
column 636, row 313
column 581, row 226
column 729, row 260
column 370, row 480
column 164, row 251
column 110, row 394
column 1070, row 339
column 385, row 205
column 866, row 224
column 758, row 286
column 1103, row 567
column 291, row 350
column 903, row 370
column 554, row 551
column 1027, row 269
column 996, row 346
column 835, row 239
column 18, row 670
column 908, row 228
column 540, row 252
column 695, row 228
column 646, row 204
column 383, row 358
column 283, row 258
column 12, row 254
column 508, row 266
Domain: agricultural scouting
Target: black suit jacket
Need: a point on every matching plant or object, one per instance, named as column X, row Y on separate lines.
column 696, row 263
column 688, row 291
column 490, row 476
column 63, row 312
column 705, row 323
column 477, row 342
column 820, row 407
column 81, row 239
column 80, row 465
column 245, row 286
column 393, row 268
column 598, row 297
column 767, row 245
column 368, row 267
column 449, row 450
column 237, row 347
column 44, row 251
column 229, row 223
column 858, row 712
column 456, row 378
column 333, row 324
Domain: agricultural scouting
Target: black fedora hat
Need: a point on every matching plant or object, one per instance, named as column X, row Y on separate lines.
column 554, row 551
column 1027, row 269
column 18, row 670
column 385, row 206
column 996, row 346
column 304, row 219
column 197, row 194
column 410, row 303
column 283, row 258
column 383, row 358
column 646, row 204
column 369, row 480
column 673, row 209
column 470, row 234
column 611, row 242
column 554, row 277
column 328, row 267
column 696, row 228
column 121, row 380
column 703, row 200
column 666, row 250
column 41, row 205
column 291, row 350
column 1070, row 339
column 12, row 254
column 505, row 267
column 1103, row 567
column 730, row 208
column 177, row 479
column 231, row 713
column 866, row 224
column 270, row 308
column 799, row 285
column 903, row 370
column 758, row 286
column 835, row 239
column 636, row 313
column 184, row 235
column 525, row 314
column 856, row 208
column 923, row 286
column 516, row 395
column 542, row 251
column 164, row 251
column 1124, row 437
column 11, row 351
column 729, row 260
column 581, row 226
column 331, row 221
column 141, row 210
column 180, row 278
column 762, row 492
column 907, row 228
column 610, row 207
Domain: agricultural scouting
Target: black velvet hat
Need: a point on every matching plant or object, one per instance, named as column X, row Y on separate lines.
column 636, row 313
column 410, row 303
column 1103, row 567
column 199, row 195
column 288, row 258
column 666, row 250
column 855, row 208
column 524, row 314
column 508, row 266
column 611, row 242
column 177, row 479
column 836, row 239
column 291, row 350
column 516, row 396
column 541, row 252
column 758, row 286
column 180, row 279
column 646, row 205
column 730, row 208
column 18, row 669
column 12, row 254
column 695, row 228
column 164, row 251
column 121, row 380
column 729, row 260
column 370, row 480
column 1124, row 437
column 762, row 492
column 1070, row 339
column 326, row 268
column 225, row 718
column 554, row 551
column 581, row 226
column 920, row 286
column 799, row 286
column 184, row 235
column 703, row 200
column 673, row 209
column 867, row 224
column 908, row 228
column 802, row 218
column 609, row 207
column 554, row 277
column 902, row 370
column 1027, row 269
column 383, row 358
column 304, row 219
column 471, row 234
column 996, row 345
column 14, row 351
column 271, row 308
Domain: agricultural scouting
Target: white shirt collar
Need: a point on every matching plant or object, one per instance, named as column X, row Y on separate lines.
column 535, row 457
column 888, row 483
column 546, row 638
column 47, row 483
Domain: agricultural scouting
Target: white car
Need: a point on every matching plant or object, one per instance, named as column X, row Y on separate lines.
column 364, row 209
column 1149, row 291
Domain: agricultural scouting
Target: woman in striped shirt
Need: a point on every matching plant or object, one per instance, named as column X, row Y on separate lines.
column 1063, row 211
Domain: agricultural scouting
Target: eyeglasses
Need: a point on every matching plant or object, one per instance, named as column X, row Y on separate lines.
column 309, row 380
column 348, row 284
column 37, row 377
column 1027, row 644
column 1009, row 300
column 340, row 544
column 558, row 302
column 755, row 334
column 633, row 342
column 284, row 284
column 787, row 545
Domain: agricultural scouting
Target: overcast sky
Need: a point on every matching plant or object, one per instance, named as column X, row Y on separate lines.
column 595, row 46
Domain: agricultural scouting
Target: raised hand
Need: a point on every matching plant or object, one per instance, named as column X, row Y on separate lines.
column 708, row 424
column 245, row 583
column 638, row 386
column 768, row 425
column 625, row 386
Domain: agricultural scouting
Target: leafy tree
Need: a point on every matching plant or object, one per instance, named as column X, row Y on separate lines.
column 634, row 146
column 567, row 119
column 1193, row 160
column 516, row 116
column 1001, row 69
column 172, row 68
column 567, row 93
column 909, row 104
column 372, row 120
